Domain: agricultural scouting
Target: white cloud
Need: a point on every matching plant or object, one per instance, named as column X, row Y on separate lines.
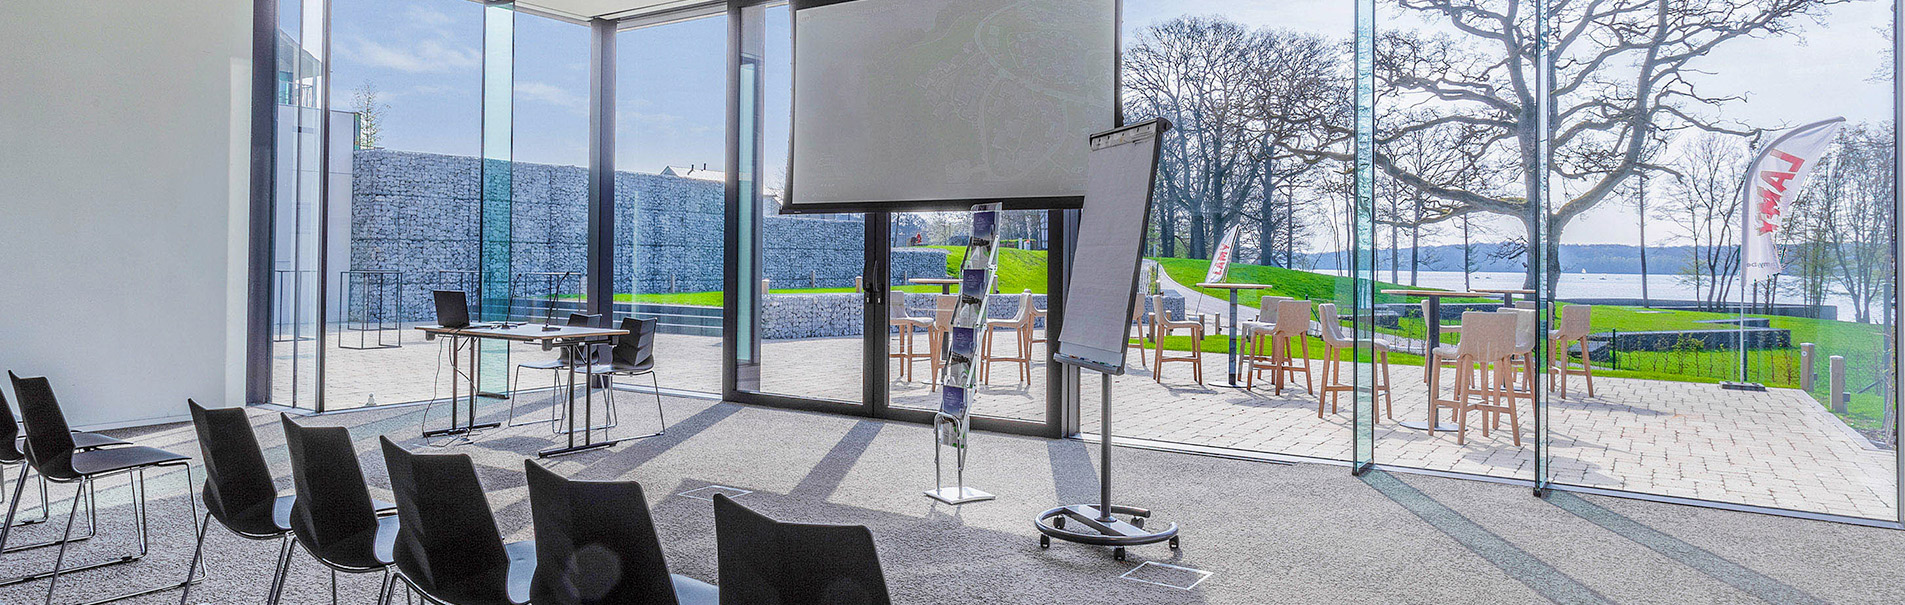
column 428, row 17
column 422, row 56
column 551, row 94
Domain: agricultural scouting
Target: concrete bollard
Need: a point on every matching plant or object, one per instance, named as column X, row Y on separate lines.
column 1836, row 365
column 1805, row 366
column 764, row 289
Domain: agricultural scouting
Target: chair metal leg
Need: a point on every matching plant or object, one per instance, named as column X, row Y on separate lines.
column 659, row 414
column 281, row 574
column 86, row 487
column 92, row 517
column 383, row 591
column 333, row 587
column 197, row 551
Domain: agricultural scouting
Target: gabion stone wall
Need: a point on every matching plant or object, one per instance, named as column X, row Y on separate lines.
column 418, row 213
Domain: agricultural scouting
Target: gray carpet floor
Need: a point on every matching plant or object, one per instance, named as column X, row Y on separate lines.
column 1265, row 533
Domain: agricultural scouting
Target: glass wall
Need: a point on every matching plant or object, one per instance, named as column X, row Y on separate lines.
column 805, row 272
column 1256, row 169
column 1709, row 159
column 401, row 217
column 670, row 212
column 296, row 290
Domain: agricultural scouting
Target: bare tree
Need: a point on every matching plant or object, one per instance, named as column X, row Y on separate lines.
column 1619, row 80
column 1706, row 209
column 370, row 115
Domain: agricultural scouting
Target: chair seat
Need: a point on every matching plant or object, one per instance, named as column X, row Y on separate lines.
column 93, row 462
column 86, row 441
column 522, row 569
column 553, row 364
column 917, row 322
column 1449, row 351
column 689, row 591
column 622, row 368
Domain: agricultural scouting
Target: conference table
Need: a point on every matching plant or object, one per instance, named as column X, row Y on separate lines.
column 575, row 342
column 1433, row 317
column 1233, row 288
column 945, row 283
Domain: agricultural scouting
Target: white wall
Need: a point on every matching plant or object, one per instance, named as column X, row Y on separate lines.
column 123, row 185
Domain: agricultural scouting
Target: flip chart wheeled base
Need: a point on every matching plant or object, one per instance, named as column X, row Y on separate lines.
column 1098, row 524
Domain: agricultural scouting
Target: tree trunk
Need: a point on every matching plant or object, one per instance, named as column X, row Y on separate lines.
column 1415, row 241
column 1642, row 201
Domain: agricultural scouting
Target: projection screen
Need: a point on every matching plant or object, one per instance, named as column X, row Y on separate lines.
column 911, row 104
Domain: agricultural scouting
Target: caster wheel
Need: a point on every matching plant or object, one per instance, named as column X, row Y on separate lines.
column 1173, row 543
column 1137, row 522
column 1044, row 542
column 1058, row 522
column 1118, row 553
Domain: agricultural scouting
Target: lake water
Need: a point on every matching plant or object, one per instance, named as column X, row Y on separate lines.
column 1585, row 285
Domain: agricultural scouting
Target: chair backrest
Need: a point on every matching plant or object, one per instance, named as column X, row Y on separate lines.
column 49, row 442
column 333, row 515
column 1525, row 304
column 1267, row 308
column 9, row 433
column 238, row 486
column 1577, row 320
column 636, row 349
column 1293, row 317
column 943, row 305
column 1159, row 313
column 761, row 560
column 1524, row 328
column 595, row 542
column 447, row 542
column 1486, row 335
column 896, row 305
column 1332, row 326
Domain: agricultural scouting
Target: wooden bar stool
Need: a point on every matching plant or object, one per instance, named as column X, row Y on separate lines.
column 1162, row 325
column 1576, row 325
column 1482, row 371
column 1430, row 369
column 1142, row 321
column 1021, row 327
column 1291, row 331
column 908, row 352
column 1256, row 332
column 1334, row 344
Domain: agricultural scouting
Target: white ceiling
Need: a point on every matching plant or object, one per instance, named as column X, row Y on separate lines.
column 591, row 9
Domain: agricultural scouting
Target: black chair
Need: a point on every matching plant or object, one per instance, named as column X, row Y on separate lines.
column 555, row 368
column 239, row 491
column 596, row 544
column 53, row 453
column 334, row 517
column 13, row 452
column 634, row 355
column 448, row 548
column 767, row 561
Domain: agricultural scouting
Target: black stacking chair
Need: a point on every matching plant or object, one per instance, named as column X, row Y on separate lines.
column 53, row 453
column 555, row 368
column 448, row 548
column 13, row 452
column 334, row 517
column 595, row 544
column 767, row 561
column 634, row 355
column 239, row 491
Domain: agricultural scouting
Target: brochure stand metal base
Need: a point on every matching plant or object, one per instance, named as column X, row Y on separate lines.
column 958, row 495
column 1098, row 525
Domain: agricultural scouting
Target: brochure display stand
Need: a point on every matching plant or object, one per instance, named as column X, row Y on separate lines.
column 953, row 423
column 1122, row 170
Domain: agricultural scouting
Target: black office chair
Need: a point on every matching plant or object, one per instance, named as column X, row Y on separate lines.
column 334, row 518
column 53, row 453
column 555, row 368
column 767, row 561
column 239, row 491
column 13, row 452
column 448, row 548
column 634, row 355
column 596, row 544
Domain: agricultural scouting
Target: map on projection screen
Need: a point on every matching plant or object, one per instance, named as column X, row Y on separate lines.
column 899, row 101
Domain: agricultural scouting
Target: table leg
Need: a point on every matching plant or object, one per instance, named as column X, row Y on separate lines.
column 582, row 353
column 1233, row 337
column 462, row 421
column 1434, row 320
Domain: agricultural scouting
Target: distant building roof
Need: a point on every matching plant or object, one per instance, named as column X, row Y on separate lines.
column 691, row 171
